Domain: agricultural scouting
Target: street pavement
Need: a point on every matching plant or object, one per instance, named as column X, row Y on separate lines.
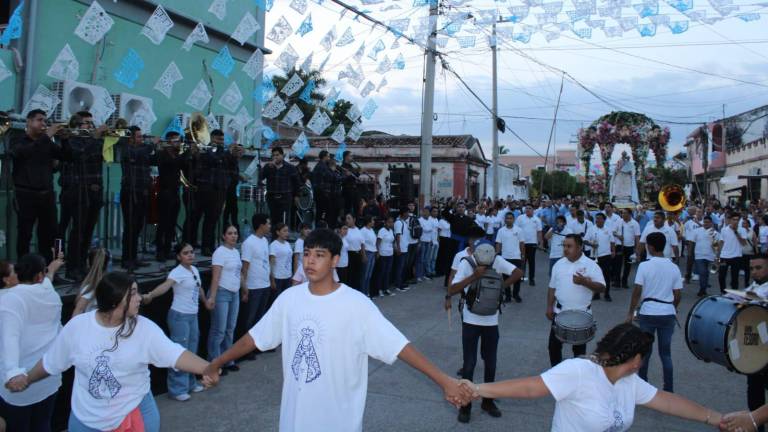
column 401, row 399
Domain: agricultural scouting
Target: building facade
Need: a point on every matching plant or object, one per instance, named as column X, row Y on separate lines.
column 561, row 160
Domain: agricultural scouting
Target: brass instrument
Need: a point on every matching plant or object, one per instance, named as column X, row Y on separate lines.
column 91, row 133
column 5, row 122
column 672, row 198
column 715, row 266
column 198, row 130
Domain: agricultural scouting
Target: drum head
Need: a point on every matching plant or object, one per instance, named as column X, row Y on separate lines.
column 574, row 319
column 747, row 339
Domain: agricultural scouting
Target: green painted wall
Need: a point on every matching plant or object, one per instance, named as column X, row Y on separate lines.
column 7, row 86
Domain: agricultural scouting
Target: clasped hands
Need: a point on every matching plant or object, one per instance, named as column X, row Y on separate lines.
column 460, row 392
column 739, row 421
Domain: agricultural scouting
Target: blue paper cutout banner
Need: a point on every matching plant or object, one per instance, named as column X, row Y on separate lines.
column 15, row 26
column 223, row 63
column 130, row 68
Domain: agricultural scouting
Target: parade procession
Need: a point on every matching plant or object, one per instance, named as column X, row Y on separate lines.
column 411, row 215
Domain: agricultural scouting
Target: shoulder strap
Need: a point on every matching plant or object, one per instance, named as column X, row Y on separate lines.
column 470, row 260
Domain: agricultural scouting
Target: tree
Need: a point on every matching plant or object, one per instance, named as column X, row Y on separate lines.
column 557, row 184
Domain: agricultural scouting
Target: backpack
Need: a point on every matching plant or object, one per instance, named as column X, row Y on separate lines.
column 485, row 296
column 415, row 228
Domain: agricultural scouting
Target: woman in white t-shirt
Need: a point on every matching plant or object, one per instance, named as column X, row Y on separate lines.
column 110, row 349
column 298, row 247
column 368, row 254
column 599, row 393
column 762, row 234
column 343, row 265
column 385, row 247
column 224, row 296
column 280, row 257
column 182, row 316
column 98, row 259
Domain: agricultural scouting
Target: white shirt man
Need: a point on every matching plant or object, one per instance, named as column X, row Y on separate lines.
column 426, row 229
column 704, row 241
column 570, row 295
column 601, row 238
column 580, row 228
column 629, row 231
column 658, row 278
column 531, row 228
column 731, row 245
column 402, row 233
column 668, row 231
column 509, row 241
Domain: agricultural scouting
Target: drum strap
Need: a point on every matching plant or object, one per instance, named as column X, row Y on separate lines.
column 655, row 300
column 559, row 306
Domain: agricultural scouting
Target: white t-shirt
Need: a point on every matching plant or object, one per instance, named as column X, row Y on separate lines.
column 109, row 385
column 229, row 261
column 283, row 259
column 369, row 239
column 465, row 269
column 186, row 289
column 762, row 234
column 530, row 226
column 568, row 294
column 326, row 341
column 401, row 229
column 556, row 242
column 433, row 237
column 30, row 319
column 668, row 231
column 629, row 230
column 658, row 277
column 255, row 251
column 580, row 228
column 300, row 277
column 510, row 239
column 354, row 239
column 92, row 304
column 344, row 254
column 603, row 237
column 444, row 228
column 298, row 248
column 426, row 229
column 386, row 248
column 731, row 244
column 457, row 259
column 690, row 227
column 587, row 401
column 704, row 241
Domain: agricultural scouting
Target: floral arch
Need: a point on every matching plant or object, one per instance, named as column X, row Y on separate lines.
column 638, row 131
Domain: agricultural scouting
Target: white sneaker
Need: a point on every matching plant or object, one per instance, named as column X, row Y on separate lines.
column 694, row 277
column 427, row 278
column 182, row 397
column 381, row 294
column 419, row 280
column 198, row 388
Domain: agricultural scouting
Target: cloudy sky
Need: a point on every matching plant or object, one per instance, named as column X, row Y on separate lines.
column 677, row 79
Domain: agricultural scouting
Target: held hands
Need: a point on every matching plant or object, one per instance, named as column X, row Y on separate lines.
column 457, row 393
column 211, row 375
column 737, row 422
column 210, row 304
column 472, row 388
column 17, row 383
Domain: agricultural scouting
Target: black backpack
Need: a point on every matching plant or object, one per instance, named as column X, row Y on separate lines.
column 486, row 295
column 415, row 228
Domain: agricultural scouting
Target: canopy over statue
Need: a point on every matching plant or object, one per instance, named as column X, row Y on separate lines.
column 623, row 191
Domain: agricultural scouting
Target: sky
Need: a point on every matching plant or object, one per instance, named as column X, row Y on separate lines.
column 719, row 65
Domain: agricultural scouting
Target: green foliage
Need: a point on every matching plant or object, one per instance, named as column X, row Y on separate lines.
column 557, row 184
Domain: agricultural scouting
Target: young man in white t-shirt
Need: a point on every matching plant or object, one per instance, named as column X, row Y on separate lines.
column 510, row 245
column 257, row 283
column 660, row 225
column 705, row 241
column 531, row 227
column 402, row 241
column 327, row 331
column 657, row 293
column 732, row 238
column 480, row 328
column 600, row 237
column 628, row 236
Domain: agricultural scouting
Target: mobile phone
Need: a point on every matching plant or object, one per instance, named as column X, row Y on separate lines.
column 58, row 246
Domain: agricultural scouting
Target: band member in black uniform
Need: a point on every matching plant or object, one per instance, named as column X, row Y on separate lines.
column 213, row 178
column 82, row 187
column 169, row 163
column 190, row 162
column 282, row 186
column 33, row 158
column 349, row 185
column 230, row 200
column 337, row 200
column 322, row 182
column 136, row 158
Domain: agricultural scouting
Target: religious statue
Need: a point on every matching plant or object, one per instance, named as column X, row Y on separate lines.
column 623, row 184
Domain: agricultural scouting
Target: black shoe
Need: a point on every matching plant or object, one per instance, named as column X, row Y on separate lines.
column 490, row 407
column 465, row 413
column 596, row 297
column 460, row 371
column 608, row 298
column 232, row 368
column 507, row 299
column 518, row 299
column 701, row 294
column 532, row 283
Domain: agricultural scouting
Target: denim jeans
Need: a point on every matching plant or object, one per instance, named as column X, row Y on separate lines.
column 384, row 271
column 184, row 331
column 370, row 262
column 149, row 414
column 432, row 260
column 256, row 306
column 223, row 321
column 400, row 269
column 662, row 327
column 421, row 260
column 552, row 262
column 702, row 269
column 32, row 418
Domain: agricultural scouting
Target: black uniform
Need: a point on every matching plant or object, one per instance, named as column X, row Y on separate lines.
column 135, row 187
column 213, row 179
column 282, row 186
column 323, row 180
column 169, row 164
column 230, row 201
column 349, row 188
column 35, row 201
column 81, row 196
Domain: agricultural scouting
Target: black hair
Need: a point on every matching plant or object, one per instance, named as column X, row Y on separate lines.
column 84, row 114
column 217, row 133
column 278, row 226
column 134, row 129
column 659, row 213
column 509, row 214
column 602, row 215
column 657, row 241
column 323, row 238
column 322, row 154
column 110, row 291
column 277, row 150
column 227, row 227
column 345, row 154
column 709, row 218
column 29, row 266
column 734, row 214
column 34, row 112
column 758, row 256
column 258, row 219
column 5, row 271
column 403, row 210
column 575, row 237
column 171, row 134
column 321, row 224
column 180, row 247
column 560, row 217
column 367, row 219
column 304, row 226
column 621, row 344
column 579, row 213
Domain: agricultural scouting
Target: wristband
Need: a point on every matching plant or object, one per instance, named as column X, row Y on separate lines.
column 709, row 415
column 751, row 417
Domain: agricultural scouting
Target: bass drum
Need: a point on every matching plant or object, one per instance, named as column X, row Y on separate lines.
column 729, row 332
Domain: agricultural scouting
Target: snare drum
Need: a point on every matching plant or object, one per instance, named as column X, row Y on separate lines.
column 729, row 332
column 574, row 327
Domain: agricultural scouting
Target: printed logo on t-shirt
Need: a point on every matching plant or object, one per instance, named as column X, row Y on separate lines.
column 306, row 365
column 618, row 422
column 103, row 384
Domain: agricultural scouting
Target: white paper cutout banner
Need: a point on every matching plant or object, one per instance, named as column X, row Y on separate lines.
column 212, row 122
column 166, row 81
column 5, row 73
column 157, row 25
column 354, row 113
column 367, row 89
column 299, row 6
column 254, row 66
column 247, row 27
column 280, row 31
column 144, row 118
column 94, row 24
column 327, row 40
column 300, row 146
column 232, row 98
column 293, row 85
column 219, row 9
column 66, row 66
column 339, row 134
column 274, row 108
column 287, row 59
column 198, row 34
column 242, row 118
column 346, row 39
column 43, row 99
column 294, row 115
column 306, row 66
column 199, row 96
column 319, row 122
column 103, row 106
column 355, row 131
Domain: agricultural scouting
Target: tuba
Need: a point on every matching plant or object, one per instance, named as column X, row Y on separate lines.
column 197, row 130
column 672, row 198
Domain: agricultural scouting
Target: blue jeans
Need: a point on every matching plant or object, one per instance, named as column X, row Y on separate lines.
column 421, row 259
column 223, row 321
column 256, row 306
column 149, row 414
column 184, row 331
column 702, row 269
column 370, row 262
column 384, row 271
column 432, row 260
column 400, row 269
column 662, row 326
column 552, row 262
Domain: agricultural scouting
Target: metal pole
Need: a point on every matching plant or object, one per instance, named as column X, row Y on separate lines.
column 425, row 160
column 494, row 119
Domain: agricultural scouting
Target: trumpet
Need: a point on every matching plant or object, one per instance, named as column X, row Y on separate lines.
column 715, row 266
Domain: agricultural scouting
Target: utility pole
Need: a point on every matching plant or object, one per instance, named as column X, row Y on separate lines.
column 494, row 125
column 427, row 112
